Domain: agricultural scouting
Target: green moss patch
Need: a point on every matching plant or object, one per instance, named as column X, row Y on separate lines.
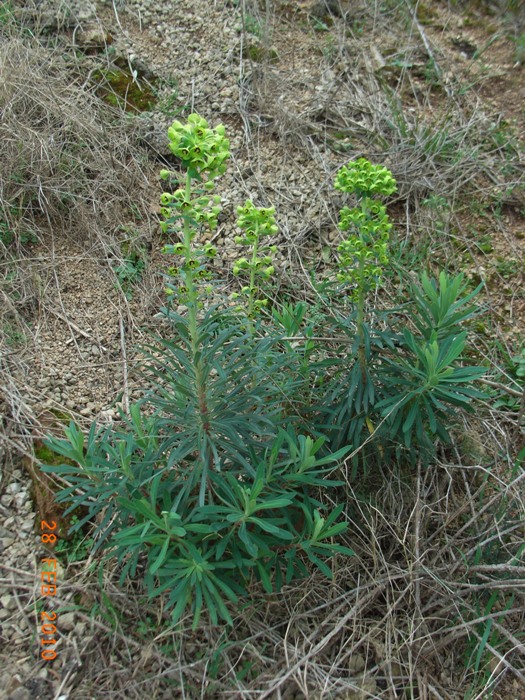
column 126, row 89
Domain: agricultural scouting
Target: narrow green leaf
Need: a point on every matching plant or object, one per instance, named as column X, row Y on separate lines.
column 223, row 610
column 197, row 606
column 482, row 644
column 161, row 557
column 411, row 416
column 183, row 598
column 248, row 542
column 272, row 529
column 457, row 345
column 263, row 574
column 275, row 503
column 210, row 603
column 333, row 531
column 320, row 564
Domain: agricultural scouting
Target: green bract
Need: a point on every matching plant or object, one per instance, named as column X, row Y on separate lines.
column 363, row 178
column 201, row 149
column 256, row 222
column 363, row 255
column 192, row 207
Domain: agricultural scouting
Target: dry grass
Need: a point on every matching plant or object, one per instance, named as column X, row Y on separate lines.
column 71, row 171
column 65, row 160
column 436, row 564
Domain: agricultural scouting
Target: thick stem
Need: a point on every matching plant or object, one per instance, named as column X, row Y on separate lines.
column 193, row 329
column 255, row 251
column 189, row 279
column 361, row 352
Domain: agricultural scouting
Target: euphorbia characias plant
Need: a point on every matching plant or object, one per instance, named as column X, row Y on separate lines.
column 203, row 152
column 363, row 255
column 256, row 223
column 215, row 486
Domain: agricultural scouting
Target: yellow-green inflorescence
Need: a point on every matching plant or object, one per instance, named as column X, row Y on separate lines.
column 364, row 254
column 192, row 206
column 203, row 151
column 256, row 222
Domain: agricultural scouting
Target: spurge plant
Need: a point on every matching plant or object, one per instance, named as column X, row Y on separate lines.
column 217, row 478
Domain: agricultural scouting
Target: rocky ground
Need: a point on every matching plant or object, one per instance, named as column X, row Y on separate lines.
column 301, row 87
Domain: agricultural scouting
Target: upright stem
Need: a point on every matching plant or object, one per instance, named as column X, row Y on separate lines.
column 193, row 328
column 361, row 353
column 189, row 278
column 252, row 272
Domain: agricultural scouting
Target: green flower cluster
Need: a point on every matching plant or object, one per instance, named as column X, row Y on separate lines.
column 192, row 266
column 196, row 211
column 258, row 265
column 363, row 255
column 193, row 206
column 256, row 223
column 371, row 213
column 201, row 149
column 192, row 261
column 363, row 179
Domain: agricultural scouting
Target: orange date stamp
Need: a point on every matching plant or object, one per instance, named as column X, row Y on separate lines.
column 48, row 587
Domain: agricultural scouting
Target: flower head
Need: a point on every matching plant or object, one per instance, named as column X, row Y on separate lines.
column 363, row 178
column 202, row 150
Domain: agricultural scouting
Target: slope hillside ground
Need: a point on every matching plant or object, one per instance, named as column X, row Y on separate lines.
column 430, row 603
